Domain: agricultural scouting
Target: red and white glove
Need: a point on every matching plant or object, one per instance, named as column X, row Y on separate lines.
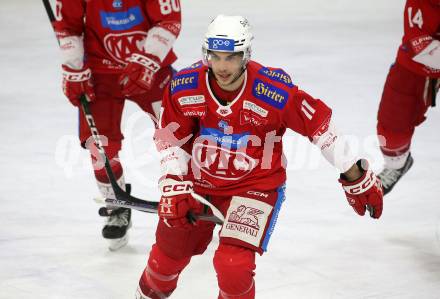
column 365, row 193
column 139, row 74
column 76, row 83
column 176, row 205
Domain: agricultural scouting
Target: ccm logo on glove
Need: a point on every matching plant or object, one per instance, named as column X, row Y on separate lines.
column 181, row 188
column 364, row 186
column 171, row 187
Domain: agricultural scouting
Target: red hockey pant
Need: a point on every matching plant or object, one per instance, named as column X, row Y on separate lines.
column 234, row 265
column 107, row 113
column 405, row 100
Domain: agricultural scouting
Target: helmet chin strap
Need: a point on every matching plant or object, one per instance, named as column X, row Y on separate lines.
column 243, row 68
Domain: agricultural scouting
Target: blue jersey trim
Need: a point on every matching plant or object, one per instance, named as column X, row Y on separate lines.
column 277, row 75
column 229, row 141
column 276, row 210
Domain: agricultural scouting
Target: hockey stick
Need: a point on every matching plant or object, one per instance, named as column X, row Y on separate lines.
column 119, row 193
column 49, row 11
column 145, row 208
column 124, row 199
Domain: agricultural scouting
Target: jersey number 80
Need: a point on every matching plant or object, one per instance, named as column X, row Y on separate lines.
column 168, row 6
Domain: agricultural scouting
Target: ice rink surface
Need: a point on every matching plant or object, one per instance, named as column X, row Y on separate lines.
column 339, row 51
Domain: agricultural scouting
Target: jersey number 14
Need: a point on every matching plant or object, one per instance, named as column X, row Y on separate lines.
column 416, row 19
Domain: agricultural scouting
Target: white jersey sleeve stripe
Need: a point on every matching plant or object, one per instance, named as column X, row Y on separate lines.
column 335, row 149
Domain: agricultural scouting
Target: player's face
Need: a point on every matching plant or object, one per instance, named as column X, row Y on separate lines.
column 226, row 67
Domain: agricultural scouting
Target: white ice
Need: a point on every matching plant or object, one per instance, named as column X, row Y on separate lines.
column 339, row 51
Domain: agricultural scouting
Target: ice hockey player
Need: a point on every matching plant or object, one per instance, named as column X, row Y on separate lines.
column 410, row 88
column 220, row 135
column 114, row 50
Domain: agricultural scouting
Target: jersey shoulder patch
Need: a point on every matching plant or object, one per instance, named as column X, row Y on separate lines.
column 188, row 78
column 276, row 74
column 269, row 93
column 194, row 66
column 186, row 90
column 271, row 86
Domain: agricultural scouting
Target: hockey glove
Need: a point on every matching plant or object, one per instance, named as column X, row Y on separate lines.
column 177, row 206
column 365, row 193
column 138, row 75
column 76, row 83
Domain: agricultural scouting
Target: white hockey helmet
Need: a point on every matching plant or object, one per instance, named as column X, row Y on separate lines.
column 228, row 34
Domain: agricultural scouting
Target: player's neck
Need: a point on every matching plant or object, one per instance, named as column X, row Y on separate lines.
column 223, row 95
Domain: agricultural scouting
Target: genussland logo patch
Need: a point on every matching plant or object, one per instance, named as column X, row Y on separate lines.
column 220, row 162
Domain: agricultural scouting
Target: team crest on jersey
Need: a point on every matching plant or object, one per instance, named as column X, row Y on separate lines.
column 184, row 82
column 270, row 94
column 277, row 75
column 121, row 20
column 120, row 46
column 220, row 162
column 224, row 110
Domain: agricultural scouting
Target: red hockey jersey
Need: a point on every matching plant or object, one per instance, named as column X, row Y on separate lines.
column 238, row 147
column 421, row 26
column 115, row 29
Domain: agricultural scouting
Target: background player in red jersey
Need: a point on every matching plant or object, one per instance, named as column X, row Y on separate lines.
column 113, row 50
column 220, row 134
column 410, row 88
